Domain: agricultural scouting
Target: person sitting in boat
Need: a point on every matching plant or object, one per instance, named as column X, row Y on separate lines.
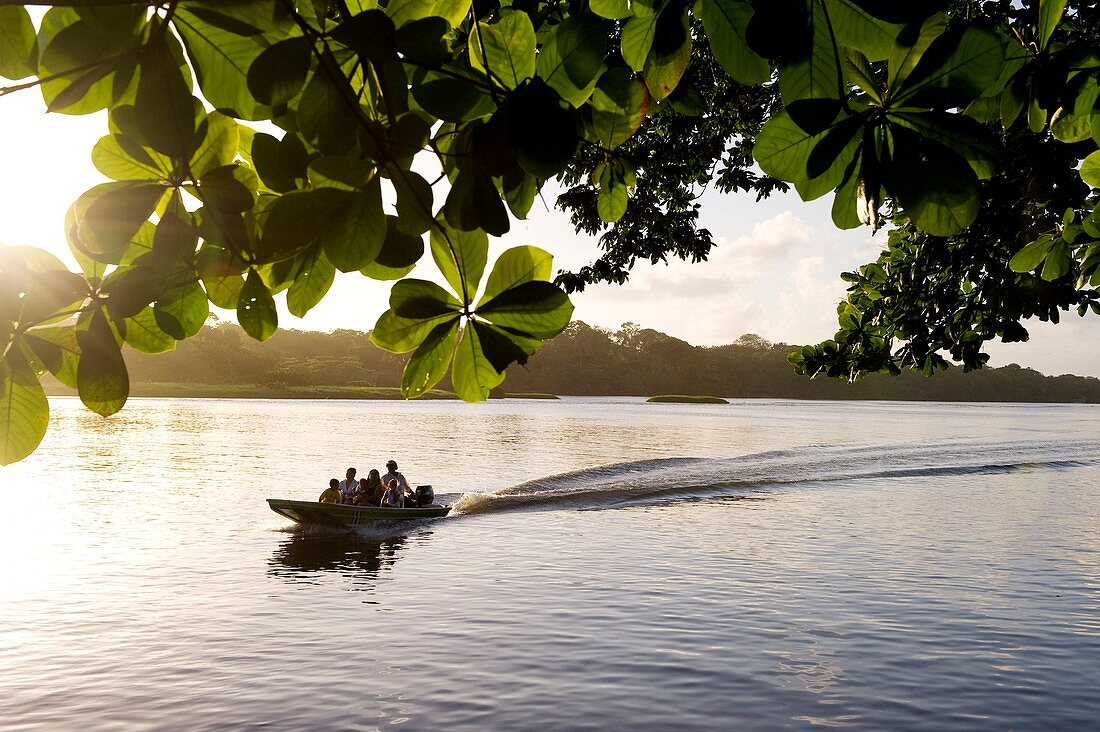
column 332, row 493
column 394, row 497
column 391, row 466
column 370, row 491
column 347, row 487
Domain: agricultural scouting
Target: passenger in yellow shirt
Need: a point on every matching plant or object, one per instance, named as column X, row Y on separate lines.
column 332, row 495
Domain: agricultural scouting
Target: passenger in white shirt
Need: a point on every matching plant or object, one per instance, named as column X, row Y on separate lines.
column 347, row 487
column 391, row 466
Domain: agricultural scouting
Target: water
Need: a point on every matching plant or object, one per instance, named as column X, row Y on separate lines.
column 759, row 565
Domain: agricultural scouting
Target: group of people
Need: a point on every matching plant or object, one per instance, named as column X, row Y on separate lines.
column 391, row 490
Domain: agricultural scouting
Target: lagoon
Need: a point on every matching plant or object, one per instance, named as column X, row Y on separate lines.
column 757, row 565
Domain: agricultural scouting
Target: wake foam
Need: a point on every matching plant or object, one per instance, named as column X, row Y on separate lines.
column 665, row 480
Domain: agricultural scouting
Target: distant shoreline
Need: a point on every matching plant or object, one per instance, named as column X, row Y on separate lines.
column 168, row 390
column 256, row 391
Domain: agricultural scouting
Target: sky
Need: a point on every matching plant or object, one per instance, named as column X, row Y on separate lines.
column 775, row 270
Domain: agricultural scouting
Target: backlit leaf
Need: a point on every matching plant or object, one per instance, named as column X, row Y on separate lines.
column 516, row 266
column 102, row 380
column 619, row 106
column 571, row 59
column 312, row 280
column 725, row 22
column 24, row 411
column 256, row 308
column 472, row 375
column 430, row 361
column 509, row 48
column 538, row 309
column 143, row 334
column 461, row 257
column 181, row 311
column 279, row 72
column 17, row 42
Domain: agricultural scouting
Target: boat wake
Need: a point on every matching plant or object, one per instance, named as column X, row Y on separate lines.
column 667, row 480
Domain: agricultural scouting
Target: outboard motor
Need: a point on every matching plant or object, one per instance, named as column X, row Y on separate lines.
column 425, row 496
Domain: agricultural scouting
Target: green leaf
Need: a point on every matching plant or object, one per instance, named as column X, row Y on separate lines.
column 461, row 257
column 181, row 311
column 520, row 189
column 615, row 180
column 221, row 58
column 670, row 54
column 399, row 254
column 474, row 203
column 1050, row 13
column 17, row 43
column 114, row 214
column 934, row 185
column 813, row 76
column 279, row 72
column 337, row 171
column 783, row 149
column 472, row 375
column 143, row 333
column 1032, row 255
column 430, row 361
column 509, row 48
column 957, row 69
column 101, row 377
column 414, row 202
column 324, row 117
column 639, row 32
column 1090, row 169
column 452, row 99
column 619, row 106
column 122, row 159
column 538, row 309
column 1059, row 261
column 36, row 288
column 611, row 9
column 857, row 28
column 422, row 300
column 857, row 70
column 256, row 308
column 571, row 58
column 725, row 22
column 409, row 11
column 98, row 42
column 356, row 234
column 967, row 137
column 164, row 109
column 296, row 220
column 910, row 46
column 516, row 266
column 217, row 147
column 221, row 276
column 401, row 335
column 312, row 280
column 24, row 411
column 279, row 163
column 57, row 350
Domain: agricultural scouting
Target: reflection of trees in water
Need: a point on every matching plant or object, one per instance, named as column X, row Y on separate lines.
column 359, row 558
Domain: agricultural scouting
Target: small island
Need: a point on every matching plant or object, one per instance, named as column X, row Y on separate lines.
column 685, row 399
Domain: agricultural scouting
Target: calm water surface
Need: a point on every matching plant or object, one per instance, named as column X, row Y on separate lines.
column 759, row 565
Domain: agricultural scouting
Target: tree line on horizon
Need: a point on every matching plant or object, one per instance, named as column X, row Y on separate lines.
column 586, row 361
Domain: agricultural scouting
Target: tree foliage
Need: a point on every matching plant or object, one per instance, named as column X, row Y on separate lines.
column 896, row 108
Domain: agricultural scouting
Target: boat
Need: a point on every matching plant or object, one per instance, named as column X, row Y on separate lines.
column 342, row 514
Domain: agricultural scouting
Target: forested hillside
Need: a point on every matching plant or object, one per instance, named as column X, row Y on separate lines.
column 585, row 361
